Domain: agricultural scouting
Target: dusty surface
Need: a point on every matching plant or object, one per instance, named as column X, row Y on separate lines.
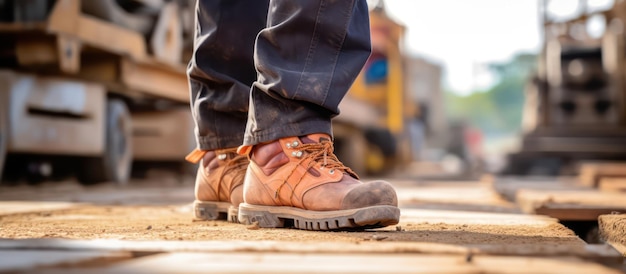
column 613, row 230
column 161, row 210
column 440, row 221
column 175, row 223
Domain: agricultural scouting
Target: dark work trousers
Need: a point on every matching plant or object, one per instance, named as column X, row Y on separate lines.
column 267, row 69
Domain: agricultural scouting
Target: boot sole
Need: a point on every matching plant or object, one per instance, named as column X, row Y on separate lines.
column 282, row 216
column 215, row 211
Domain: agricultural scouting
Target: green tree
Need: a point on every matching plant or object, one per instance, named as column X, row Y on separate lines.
column 497, row 110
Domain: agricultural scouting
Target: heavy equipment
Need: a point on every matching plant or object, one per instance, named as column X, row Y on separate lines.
column 371, row 133
column 94, row 85
column 575, row 107
column 100, row 85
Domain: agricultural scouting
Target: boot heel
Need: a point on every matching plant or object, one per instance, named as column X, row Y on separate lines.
column 210, row 211
column 233, row 213
column 262, row 218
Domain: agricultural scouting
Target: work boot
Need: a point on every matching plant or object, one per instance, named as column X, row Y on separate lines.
column 219, row 183
column 299, row 182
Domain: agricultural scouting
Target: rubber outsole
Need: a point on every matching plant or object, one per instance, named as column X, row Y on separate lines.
column 215, row 211
column 281, row 216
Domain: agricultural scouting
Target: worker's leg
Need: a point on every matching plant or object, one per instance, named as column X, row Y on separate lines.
column 221, row 72
column 307, row 58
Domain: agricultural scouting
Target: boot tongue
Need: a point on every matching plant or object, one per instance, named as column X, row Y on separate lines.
column 315, row 138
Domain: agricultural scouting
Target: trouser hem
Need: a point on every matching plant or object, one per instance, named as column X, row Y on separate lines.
column 214, row 142
column 289, row 130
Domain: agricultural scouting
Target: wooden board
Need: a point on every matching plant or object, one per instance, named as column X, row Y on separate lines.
column 253, row 262
column 591, row 173
column 25, row 260
column 420, row 231
column 14, row 207
column 508, row 187
column 575, row 205
column 612, row 184
column 466, row 196
column 153, row 129
column 137, row 192
column 613, row 230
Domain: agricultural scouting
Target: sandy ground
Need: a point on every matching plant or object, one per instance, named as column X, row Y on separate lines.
column 455, row 213
column 155, row 216
column 175, row 223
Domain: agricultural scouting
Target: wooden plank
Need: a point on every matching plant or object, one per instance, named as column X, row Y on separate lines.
column 420, row 231
column 101, row 34
column 468, row 196
column 605, row 253
column 612, row 184
column 591, row 173
column 247, row 262
column 493, row 264
column 159, row 79
column 505, row 234
column 14, row 207
column 234, row 246
column 575, row 205
column 613, row 230
column 28, row 260
column 473, row 218
column 153, row 129
column 508, row 187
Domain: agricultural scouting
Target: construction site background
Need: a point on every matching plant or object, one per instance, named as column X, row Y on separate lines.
column 526, row 175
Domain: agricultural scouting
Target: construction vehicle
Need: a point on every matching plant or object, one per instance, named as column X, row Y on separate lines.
column 94, row 85
column 575, row 107
column 371, row 132
column 98, row 85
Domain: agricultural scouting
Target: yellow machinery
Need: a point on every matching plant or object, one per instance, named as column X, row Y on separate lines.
column 370, row 130
column 100, row 84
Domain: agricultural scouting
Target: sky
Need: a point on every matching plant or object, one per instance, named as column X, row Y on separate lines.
column 465, row 36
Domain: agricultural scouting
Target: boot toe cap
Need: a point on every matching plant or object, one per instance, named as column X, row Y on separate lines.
column 375, row 193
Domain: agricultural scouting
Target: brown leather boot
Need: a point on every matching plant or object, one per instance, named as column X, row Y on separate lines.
column 299, row 182
column 219, row 183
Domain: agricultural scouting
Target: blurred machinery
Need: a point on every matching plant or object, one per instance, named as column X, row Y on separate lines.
column 92, row 86
column 372, row 132
column 95, row 86
column 575, row 105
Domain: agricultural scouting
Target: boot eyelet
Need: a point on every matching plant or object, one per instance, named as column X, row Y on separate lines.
column 295, row 144
column 297, row 154
column 331, row 172
column 221, row 157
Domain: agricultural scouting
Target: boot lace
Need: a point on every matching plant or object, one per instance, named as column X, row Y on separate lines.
column 323, row 153
column 236, row 165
